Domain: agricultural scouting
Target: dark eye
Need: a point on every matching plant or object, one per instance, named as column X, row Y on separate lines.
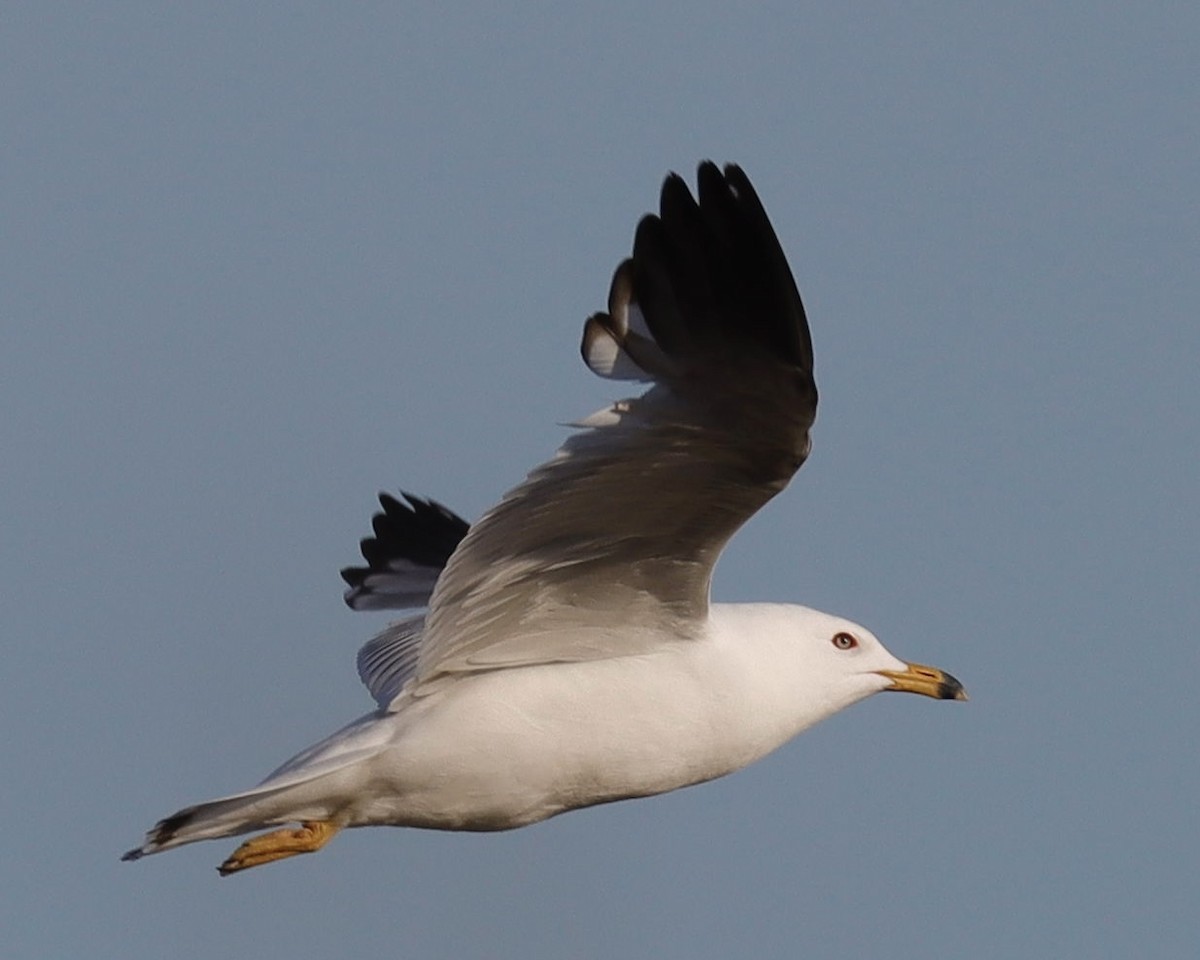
column 844, row 641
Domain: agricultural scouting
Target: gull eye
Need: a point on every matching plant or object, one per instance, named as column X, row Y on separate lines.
column 844, row 641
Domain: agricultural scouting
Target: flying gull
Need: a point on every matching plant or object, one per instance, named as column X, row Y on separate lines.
column 569, row 654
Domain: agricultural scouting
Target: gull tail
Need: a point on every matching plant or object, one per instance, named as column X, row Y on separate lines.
column 204, row 821
column 313, row 786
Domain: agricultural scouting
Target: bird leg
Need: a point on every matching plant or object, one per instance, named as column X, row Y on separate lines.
column 309, row 837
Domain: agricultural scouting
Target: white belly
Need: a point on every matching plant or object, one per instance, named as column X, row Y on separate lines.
column 512, row 747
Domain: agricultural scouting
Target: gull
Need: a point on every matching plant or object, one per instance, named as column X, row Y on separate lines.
column 569, row 653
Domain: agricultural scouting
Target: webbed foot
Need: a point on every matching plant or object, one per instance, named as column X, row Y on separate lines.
column 309, row 837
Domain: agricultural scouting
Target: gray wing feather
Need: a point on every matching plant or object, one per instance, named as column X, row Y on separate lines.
column 616, row 537
column 388, row 660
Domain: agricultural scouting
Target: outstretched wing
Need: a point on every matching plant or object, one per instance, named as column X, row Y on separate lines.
column 616, row 537
column 413, row 540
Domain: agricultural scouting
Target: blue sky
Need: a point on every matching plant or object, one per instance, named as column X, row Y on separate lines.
column 260, row 263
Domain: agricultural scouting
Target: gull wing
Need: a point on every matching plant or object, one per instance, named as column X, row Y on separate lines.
column 612, row 543
column 414, row 538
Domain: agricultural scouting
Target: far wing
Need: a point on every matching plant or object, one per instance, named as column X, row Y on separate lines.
column 413, row 540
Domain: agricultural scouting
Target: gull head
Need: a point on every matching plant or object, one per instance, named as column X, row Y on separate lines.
column 819, row 663
column 851, row 657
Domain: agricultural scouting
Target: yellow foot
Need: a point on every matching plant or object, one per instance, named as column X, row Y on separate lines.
column 309, row 837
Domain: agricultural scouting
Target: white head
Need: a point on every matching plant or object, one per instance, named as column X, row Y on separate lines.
column 820, row 663
column 851, row 659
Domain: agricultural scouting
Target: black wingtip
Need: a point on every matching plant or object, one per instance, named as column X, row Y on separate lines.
column 709, row 272
column 414, row 529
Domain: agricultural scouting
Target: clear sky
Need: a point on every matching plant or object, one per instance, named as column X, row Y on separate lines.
column 262, row 260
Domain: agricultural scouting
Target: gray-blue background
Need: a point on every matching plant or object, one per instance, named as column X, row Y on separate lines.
column 260, row 260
